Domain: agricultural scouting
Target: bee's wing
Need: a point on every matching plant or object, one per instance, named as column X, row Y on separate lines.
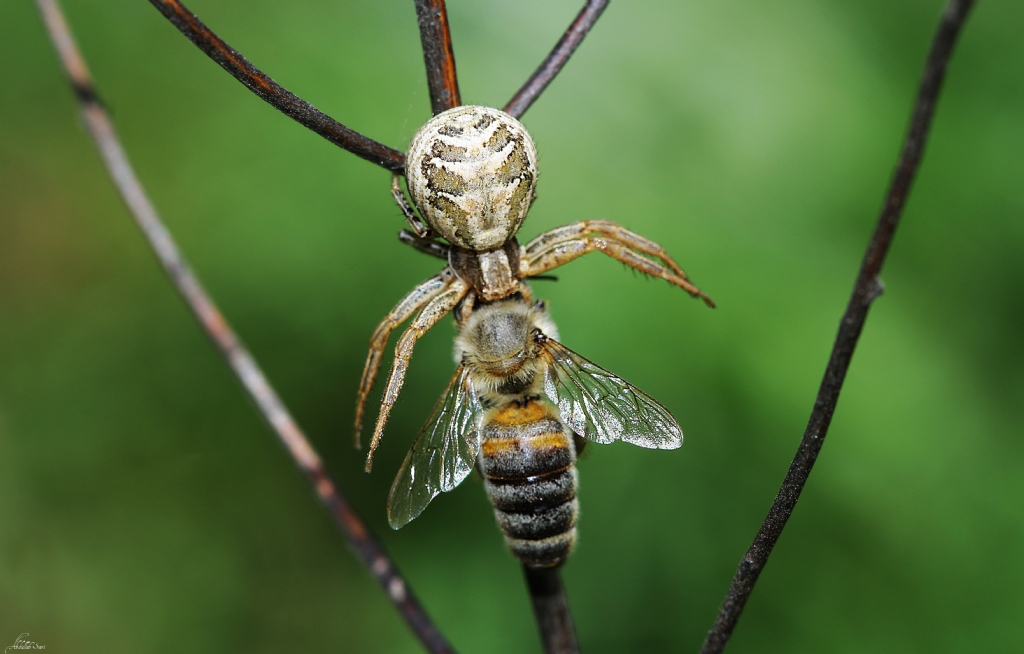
column 442, row 456
column 603, row 408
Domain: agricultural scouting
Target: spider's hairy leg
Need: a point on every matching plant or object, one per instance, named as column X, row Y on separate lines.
column 525, row 292
column 607, row 228
column 560, row 246
column 465, row 308
column 418, row 226
column 410, row 304
column 429, row 246
column 438, row 307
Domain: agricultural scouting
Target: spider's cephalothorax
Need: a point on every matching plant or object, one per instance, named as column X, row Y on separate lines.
column 471, row 172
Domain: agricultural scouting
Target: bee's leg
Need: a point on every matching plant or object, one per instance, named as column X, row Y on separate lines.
column 418, row 228
column 409, row 305
column 607, row 228
column 559, row 252
column 438, row 307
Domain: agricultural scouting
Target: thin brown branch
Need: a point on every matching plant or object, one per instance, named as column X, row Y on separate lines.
column 554, row 62
column 551, row 609
column 273, row 93
column 867, row 288
column 367, row 548
column 438, row 55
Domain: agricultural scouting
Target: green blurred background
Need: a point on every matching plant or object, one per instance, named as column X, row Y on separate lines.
column 145, row 508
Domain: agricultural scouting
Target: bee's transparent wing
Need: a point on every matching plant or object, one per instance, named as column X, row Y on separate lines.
column 603, row 408
column 442, row 456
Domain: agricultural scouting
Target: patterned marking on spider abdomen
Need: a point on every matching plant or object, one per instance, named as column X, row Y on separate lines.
column 527, row 458
column 471, row 172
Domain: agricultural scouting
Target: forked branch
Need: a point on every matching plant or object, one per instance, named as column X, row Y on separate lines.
column 438, row 55
column 866, row 289
column 273, row 93
column 368, row 550
column 554, row 62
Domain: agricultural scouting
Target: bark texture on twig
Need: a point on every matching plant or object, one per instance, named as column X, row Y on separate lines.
column 273, row 93
column 438, row 55
column 867, row 288
column 558, row 57
column 551, row 609
column 367, row 548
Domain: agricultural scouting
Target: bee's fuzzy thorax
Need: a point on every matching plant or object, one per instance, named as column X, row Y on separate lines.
column 498, row 342
column 501, row 332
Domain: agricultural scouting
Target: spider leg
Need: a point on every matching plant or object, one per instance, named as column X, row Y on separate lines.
column 613, row 231
column 429, row 316
column 425, row 245
column 465, row 308
column 560, row 246
column 418, row 227
column 525, row 292
column 410, row 304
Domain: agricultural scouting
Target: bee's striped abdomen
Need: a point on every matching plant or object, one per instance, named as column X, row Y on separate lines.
column 527, row 458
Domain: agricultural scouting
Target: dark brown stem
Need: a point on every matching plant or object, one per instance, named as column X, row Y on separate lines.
column 438, row 55
column 867, row 288
column 557, row 631
column 367, row 548
column 554, row 62
column 273, row 93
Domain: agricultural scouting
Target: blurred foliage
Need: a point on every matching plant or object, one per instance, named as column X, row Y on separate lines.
column 145, row 508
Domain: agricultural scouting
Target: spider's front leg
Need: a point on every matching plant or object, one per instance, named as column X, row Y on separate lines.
column 418, row 226
column 410, row 304
column 431, row 246
column 436, row 309
column 560, row 246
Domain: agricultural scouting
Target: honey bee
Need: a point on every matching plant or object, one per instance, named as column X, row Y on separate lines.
column 511, row 410
column 472, row 172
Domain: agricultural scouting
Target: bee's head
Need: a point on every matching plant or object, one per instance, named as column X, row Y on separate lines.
column 500, row 340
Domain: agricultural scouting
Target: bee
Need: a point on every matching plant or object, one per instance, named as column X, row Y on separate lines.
column 512, row 409
column 472, row 173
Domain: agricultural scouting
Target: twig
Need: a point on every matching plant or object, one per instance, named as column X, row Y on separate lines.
column 547, row 594
column 557, row 631
column 438, row 55
column 273, row 93
column 554, row 62
column 866, row 289
column 367, row 548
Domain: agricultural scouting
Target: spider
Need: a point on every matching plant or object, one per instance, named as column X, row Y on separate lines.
column 438, row 249
column 472, row 174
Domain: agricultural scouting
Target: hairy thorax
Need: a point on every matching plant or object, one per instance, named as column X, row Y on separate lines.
column 498, row 342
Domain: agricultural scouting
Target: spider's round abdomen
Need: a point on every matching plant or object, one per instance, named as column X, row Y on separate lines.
column 471, row 172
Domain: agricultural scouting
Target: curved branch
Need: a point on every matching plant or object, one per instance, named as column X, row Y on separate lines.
column 867, row 288
column 367, row 548
column 438, row 55
column 551, row 609
column 554, row 62
column 273, row 93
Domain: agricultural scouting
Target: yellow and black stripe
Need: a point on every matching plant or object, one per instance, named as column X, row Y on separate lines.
column 527, row 458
